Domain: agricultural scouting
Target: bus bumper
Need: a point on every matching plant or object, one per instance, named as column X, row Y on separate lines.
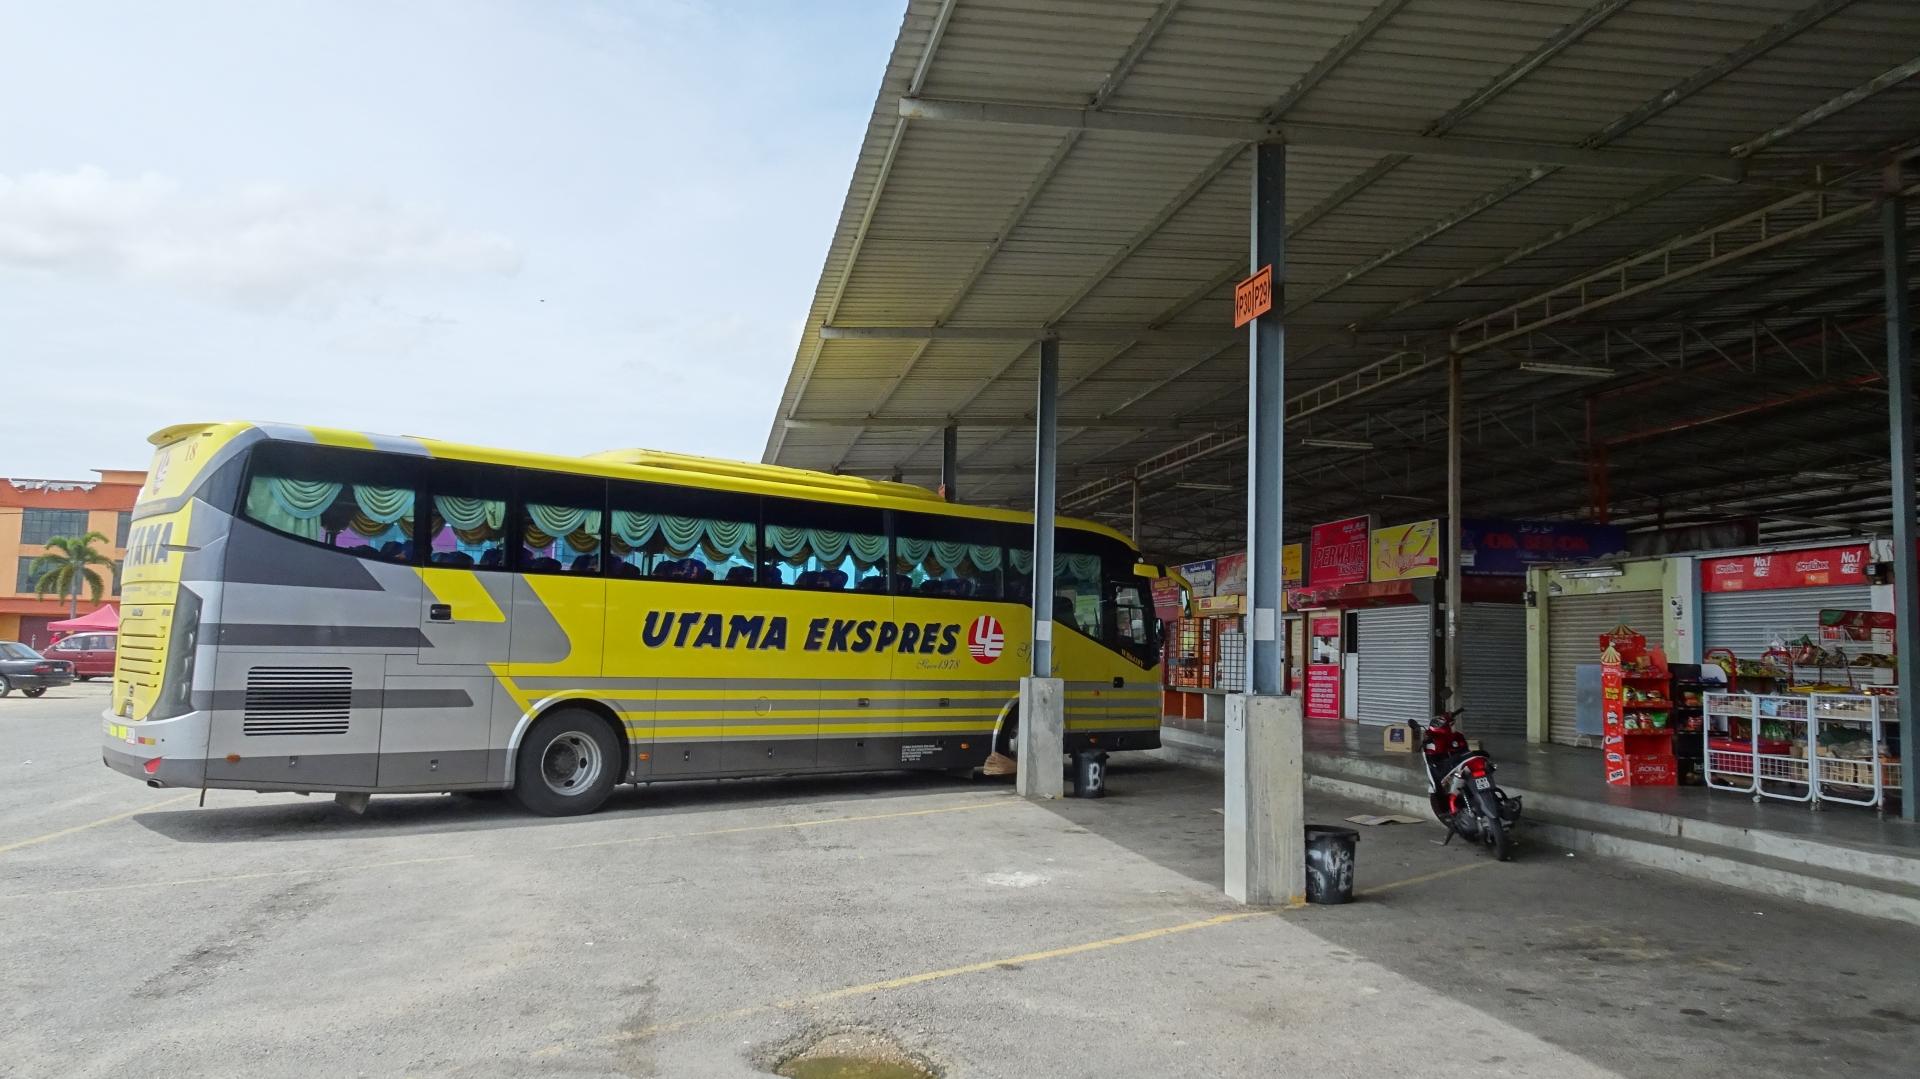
column 160, row 752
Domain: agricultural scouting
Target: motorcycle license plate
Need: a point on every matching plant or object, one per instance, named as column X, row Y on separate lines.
column 1481, row 783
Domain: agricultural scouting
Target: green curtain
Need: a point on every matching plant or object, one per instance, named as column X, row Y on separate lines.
column 291, row 506
column 797, row 545
column 1022, row 560
column 913, row 552
column 984, row 559
column 383, row 504
column 1077, row 567
column 563, row 520
column 719, row 540
column 470, row 514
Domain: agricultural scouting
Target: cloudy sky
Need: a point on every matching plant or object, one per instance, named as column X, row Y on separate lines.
column 562, row 226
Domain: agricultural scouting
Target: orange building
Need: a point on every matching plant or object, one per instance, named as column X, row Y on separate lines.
column 31, row 511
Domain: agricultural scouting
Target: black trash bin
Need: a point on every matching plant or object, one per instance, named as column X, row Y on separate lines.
column 1330, row 853
column 1090, row 775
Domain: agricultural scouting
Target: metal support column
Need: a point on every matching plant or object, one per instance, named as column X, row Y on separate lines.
column 1133, row 533
column 1044, row 443
column 1041, row 738
column 1455, row 415
column 1265, row 847
column 950, row 463
column 1900, row 389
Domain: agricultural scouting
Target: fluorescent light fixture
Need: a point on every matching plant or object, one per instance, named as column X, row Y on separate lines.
column 1337, row 443
column 1828, row 474
column 1191, row 486
column 1593, row 571
column 1540, row 367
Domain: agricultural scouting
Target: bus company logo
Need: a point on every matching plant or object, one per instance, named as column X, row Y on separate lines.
column 147, row 545
column 713, row 629
column 985, row 639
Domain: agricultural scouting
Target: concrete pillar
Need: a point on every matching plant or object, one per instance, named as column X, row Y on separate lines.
column 950, row 463
column 1266, row 840
column 1040, row 748
column 1265, row 844
column 1043, row 709
column 1451, row 634
column 1906, row 579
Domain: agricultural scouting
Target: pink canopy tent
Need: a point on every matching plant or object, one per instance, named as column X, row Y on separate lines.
column 104, row 620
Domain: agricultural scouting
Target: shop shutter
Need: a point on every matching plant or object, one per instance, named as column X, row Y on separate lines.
column 1574, row 626
column 1493, row 667
column 1396, row 664
column 1749, row 622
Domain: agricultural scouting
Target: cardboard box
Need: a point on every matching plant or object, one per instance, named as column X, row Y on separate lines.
column 1396, row 739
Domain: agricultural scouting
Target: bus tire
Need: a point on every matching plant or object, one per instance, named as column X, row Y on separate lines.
column 569, row 762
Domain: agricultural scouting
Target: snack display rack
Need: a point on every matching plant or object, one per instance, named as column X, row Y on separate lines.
column 1636, row 693
column 1813, row 748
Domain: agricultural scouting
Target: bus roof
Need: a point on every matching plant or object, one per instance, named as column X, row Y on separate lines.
column 657, row 466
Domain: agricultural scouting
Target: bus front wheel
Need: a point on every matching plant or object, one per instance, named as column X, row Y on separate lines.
column 569, row 762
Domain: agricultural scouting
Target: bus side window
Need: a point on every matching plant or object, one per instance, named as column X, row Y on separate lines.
column 559, row 527
column 820, row 545
column 682, row 534
column 467, row 528
column 955, row 557
column 312, row 496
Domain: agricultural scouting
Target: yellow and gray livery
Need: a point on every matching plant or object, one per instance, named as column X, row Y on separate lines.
column 307, row 609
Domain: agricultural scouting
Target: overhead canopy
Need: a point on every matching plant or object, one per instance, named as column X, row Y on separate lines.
column 104, row 619
column 1647, row 225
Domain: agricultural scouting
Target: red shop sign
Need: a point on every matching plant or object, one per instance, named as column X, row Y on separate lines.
column 1339, row 553
column 1810, row 568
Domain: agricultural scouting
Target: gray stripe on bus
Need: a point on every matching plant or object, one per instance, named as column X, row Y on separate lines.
column 282, row 635
column 390, row 699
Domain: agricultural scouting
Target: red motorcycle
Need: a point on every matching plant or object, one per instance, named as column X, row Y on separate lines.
column 1461, row 789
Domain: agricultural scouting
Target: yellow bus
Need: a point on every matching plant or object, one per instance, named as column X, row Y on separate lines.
column 318, row 610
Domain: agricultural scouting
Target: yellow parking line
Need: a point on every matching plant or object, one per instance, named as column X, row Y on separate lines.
column 994, row 964
column 93, row 824
column 1425, row 877
column 936, row 975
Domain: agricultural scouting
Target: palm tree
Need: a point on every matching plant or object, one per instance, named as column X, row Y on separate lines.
column 67, row 564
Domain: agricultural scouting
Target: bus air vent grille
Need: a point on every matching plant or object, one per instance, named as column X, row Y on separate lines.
column 298, row 700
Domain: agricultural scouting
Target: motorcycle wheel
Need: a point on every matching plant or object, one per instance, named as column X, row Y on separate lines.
column 1494, row 831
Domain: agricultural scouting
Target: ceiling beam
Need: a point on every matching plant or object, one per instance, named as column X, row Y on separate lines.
column 1308, row 136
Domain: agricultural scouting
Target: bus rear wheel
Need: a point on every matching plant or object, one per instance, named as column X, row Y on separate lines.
column 569, row 762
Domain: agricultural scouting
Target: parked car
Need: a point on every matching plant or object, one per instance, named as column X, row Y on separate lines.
column 90, row 653
column 28, row 671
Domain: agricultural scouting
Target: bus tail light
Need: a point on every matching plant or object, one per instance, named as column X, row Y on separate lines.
column 153, row 766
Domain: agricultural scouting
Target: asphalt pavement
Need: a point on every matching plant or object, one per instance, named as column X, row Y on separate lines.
column 705, row 929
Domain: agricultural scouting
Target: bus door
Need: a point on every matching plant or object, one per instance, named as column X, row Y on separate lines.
column 441, row 705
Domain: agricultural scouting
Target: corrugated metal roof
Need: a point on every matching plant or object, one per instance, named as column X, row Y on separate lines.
column 1125, row 242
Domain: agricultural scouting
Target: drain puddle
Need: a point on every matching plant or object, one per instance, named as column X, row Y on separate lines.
column 854, row 1055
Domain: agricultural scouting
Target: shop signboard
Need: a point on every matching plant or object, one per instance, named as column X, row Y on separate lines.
column 1217, row 605
column 1292, row 557
column 1199, row 577
column 1338, row 551
column 1404, row 552
column 1166, row 598
column 1813, row 567
column 1507, row 548
column 1323, row 668
column 1230, row 575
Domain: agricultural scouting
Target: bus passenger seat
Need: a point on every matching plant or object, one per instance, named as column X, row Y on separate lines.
column 740, row 575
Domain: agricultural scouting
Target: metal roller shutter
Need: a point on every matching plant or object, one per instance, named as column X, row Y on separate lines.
column 1396, row 664
column 1493, row 667
column 1749, row 622
column 1574, row 626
